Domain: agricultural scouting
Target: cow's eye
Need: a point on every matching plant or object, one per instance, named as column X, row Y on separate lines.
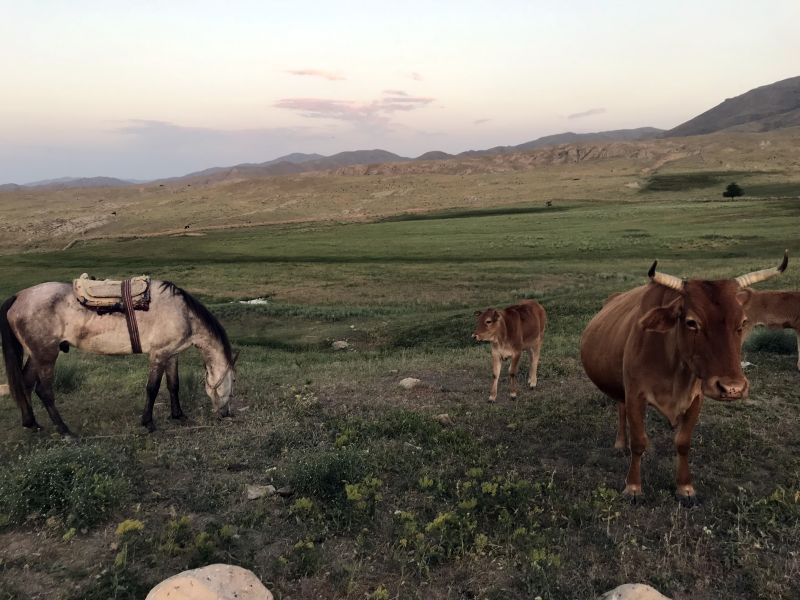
column 692, row 324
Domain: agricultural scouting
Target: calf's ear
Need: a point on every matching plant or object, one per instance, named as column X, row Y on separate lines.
column 662, row 318
column 495, row 315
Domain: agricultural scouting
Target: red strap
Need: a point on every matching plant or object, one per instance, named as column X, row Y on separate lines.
column 130, row 317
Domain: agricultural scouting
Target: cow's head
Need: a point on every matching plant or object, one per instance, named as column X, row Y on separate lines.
column 488, row 322
column 708, row 318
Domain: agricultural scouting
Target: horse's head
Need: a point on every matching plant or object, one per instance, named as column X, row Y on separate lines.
column 220, row 387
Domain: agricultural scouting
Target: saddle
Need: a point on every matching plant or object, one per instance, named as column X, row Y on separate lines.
column 106, row 295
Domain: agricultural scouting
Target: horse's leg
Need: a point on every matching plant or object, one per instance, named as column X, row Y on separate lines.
column 153, row 383
column 29, row 378
column 45, row 370
column 173, row 385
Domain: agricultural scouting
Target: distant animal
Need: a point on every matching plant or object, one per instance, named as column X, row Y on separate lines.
column 186, row 226
column 511, row 331
column 113, row 212
column 548, row 203
column 776, row 310
column 43, row 319
column 668, row 344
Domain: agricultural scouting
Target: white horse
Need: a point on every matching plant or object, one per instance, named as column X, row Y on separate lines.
column 47, row 318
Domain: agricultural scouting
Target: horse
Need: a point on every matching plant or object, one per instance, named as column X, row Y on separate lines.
column 47, row 318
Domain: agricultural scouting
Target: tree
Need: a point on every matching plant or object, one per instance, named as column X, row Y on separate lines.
column 732, row 191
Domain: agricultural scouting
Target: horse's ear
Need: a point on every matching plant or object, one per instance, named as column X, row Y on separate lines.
column 235, row 357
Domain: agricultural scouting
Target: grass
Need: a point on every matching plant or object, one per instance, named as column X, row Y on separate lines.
column 513, row 500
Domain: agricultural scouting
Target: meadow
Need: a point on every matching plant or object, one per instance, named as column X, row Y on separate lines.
column 377, row 498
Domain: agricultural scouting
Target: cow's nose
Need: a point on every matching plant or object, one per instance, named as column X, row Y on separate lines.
column 731, row 388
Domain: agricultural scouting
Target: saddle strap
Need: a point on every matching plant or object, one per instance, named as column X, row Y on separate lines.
column 130, row 316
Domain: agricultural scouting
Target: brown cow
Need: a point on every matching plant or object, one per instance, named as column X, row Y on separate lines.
column 775, row 309
column 669, row 343
column 511, row 331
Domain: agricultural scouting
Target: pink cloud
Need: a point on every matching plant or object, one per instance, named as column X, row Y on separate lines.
column 329, row 75
column 374, row 113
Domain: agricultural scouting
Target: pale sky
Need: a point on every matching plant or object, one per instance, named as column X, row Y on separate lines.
column 151, row 89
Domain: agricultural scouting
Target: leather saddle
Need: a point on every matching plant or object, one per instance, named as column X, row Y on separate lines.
column 105, row 295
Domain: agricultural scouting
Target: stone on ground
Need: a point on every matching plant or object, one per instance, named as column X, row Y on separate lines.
column 409, row 383
column 214, row 582
column 633, row 591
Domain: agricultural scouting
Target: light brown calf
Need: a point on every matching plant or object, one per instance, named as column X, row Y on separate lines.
column 776, row 310
column 511, row 331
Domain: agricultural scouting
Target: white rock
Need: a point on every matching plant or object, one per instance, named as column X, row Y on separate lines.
column 214, row 582
column 340, row 345
column 254, row 301
column 409, row 383
column 4, row 389
column 444, row 419
column 259, row 491
column 633, row 591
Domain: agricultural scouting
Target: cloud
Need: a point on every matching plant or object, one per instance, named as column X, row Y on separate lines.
column 329, row 75
column 480, row 121
column 375, row 113
column 587, row 113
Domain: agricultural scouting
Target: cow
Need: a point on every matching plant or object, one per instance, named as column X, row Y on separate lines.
column 511, row 331
column 775, row 309
column 669, row 344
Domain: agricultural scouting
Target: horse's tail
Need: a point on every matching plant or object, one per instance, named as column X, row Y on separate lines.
column 12, row 353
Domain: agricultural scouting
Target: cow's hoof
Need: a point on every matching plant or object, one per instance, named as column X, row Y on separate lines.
column 491, row 399
column 688, row 501
column 634, row 494
column 619, row 445
column 531, row 384
column 513, row 396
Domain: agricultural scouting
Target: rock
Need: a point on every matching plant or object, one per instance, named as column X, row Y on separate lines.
column 285, row 491
column 633, row 591
column 259, row 491
column 214, row 582
column 4, row 389
column 444, row 420
column 340, row 345
column 409, row 383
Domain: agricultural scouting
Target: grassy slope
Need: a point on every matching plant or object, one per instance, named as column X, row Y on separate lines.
column 402, row 293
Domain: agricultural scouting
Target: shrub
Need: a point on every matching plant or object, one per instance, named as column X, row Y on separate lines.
column 777, row 341
column 325, row 474
column 80, row 485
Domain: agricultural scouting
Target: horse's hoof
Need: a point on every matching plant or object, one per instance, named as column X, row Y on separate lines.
column 150, row 425
column 180, row 417
column 69, row 438
column 35, row 427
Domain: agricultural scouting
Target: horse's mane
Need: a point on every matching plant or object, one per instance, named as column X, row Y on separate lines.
column 205, row 316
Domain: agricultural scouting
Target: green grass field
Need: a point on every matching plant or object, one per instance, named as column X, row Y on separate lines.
column 514, row 500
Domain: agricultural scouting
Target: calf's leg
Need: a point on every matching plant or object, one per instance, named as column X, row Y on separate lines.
column 536, row 352
column 496, row 363
column 512, row 374
column 797, row 333
column 621, row 441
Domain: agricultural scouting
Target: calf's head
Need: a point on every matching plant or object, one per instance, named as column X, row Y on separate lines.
column 708, row 318
column 487, row 325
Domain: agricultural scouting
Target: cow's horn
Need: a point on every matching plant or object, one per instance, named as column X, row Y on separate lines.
column 663, row 279
column 757, row 276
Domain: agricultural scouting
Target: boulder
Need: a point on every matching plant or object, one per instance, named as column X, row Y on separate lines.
column 340, row 345
column 4, row 389
column 214, row 582
column 409, row 383
column 633, row 591
column 254, row 492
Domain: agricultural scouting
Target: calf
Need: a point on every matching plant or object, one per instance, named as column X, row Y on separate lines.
column 510, row 331
column 774, row 309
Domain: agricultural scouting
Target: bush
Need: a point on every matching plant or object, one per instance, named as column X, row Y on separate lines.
column 79, row 485
column 325, row 474
column 776, row 341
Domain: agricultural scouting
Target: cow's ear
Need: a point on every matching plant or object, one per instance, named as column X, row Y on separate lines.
column 495, row 315
column 743, row 296
column 662, row 318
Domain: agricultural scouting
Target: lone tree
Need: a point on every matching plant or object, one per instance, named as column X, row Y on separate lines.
column 732, row 191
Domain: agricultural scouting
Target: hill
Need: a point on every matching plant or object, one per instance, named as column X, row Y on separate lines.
column 79, row 182
column 765, row 108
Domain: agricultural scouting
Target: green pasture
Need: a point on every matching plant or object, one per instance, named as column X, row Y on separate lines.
column 514, row 500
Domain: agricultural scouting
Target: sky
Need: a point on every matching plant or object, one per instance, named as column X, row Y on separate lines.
column 149, row 89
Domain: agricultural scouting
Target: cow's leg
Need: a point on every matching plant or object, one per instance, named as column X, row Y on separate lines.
column 496, row 364
column 635, row 412
column 45, row 374
column 683, row 440
column 797, row 333
column 29, row 380
column 536, row 352
column 512, row 373
column 173, row 385
column 621, row 440
column 153, row 383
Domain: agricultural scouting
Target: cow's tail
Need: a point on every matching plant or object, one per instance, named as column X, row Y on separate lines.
column 12, row 354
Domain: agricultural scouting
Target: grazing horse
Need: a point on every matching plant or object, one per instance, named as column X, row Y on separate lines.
column 47, row 318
